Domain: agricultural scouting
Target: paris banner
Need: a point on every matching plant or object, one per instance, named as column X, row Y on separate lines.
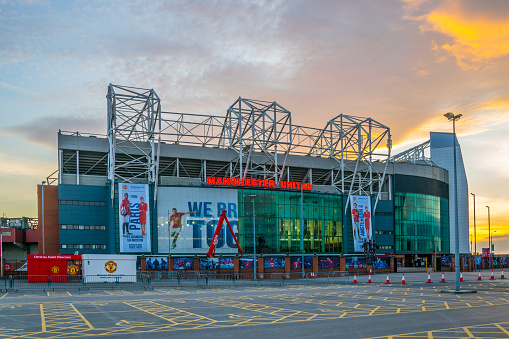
column 360, row 209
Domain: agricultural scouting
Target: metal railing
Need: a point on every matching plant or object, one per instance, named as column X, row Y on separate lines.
column 195, row 279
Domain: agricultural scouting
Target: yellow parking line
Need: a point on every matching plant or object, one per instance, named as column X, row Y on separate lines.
column 446, row 305
column 430, row 335
column 82, row 317
column 4, row 295
column 48, row 293
column 502, row 329
column 69, row 293
column 467, row 331
column 43, row 319
column 374, row 310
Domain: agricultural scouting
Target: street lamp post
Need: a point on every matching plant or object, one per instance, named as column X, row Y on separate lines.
column 492, row 248
column 42, row 208
column 475, row 235
column 489, row 234
column 453, row 118
column 253, row 196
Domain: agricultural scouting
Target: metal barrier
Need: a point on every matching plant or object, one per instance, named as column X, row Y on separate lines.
column 338, row 277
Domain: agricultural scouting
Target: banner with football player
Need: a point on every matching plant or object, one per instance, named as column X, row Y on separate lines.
column 360, row 207
column 134, row 218
column 188, row 217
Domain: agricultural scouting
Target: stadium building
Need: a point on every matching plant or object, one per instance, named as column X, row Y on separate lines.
column 286, row 188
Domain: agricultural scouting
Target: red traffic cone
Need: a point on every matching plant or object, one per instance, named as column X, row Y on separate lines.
column 403, row 279
column 387, row 280
column 355, row 278
column 461, row 275
column 429, row 277
column 369, row 277
column 443, row 277
column 492, row 276
column 479, row 276
column 502, row 275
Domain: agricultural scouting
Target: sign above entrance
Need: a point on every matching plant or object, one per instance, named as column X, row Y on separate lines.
column 230, row 182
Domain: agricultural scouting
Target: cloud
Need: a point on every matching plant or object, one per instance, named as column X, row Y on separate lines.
column 44, row 130
column 479, row 30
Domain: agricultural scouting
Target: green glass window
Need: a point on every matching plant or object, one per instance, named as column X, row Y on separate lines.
column 421, row 223
column 278, row 222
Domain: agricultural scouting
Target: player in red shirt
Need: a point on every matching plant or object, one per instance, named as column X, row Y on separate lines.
column 176, row 217
column 355, row 220
column 143, row 215
column 297, row 264
column 125, row 211
column 367, row 216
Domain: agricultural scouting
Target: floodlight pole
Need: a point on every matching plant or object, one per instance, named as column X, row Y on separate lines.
column 453, row 118
column 253, row 196
column 489, row 235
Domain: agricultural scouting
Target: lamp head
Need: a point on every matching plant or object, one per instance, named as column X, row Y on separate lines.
column 449, row 115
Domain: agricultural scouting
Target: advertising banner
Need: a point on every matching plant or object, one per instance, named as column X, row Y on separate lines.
column 486, row 252
column 157, row 263
column 192, row 215
column 354, row 263
column 360, row 209
column 328, row 263
column 296, row 262
column 276, row 262
column 134, row 218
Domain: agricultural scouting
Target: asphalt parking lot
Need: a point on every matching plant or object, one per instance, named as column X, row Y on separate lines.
column 347, row 310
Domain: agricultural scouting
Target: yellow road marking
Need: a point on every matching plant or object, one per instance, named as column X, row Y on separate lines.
column 43, row 319
column 430, row 335
column 4, row 295
column 467, row 331
column 69, row 293
column 468, row 305
column 82, row 317
column 374, row 310
column 424, row 308
column 446, row 305
column 502, row 329
column 48, row 293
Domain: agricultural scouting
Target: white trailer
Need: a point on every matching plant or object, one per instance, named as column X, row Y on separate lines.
column 109, row 268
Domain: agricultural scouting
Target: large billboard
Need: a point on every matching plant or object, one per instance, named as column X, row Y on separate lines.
column 191, row 215
column 360, row 208
column 134, row 218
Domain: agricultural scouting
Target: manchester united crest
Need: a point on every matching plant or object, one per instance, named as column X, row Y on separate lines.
column 72, row 270
column 55, row 269
column 110, row 266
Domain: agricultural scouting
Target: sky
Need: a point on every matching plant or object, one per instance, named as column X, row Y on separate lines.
column 402, row 62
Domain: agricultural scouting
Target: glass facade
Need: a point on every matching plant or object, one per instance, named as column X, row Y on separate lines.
column 421, row 223
column 278, row 222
